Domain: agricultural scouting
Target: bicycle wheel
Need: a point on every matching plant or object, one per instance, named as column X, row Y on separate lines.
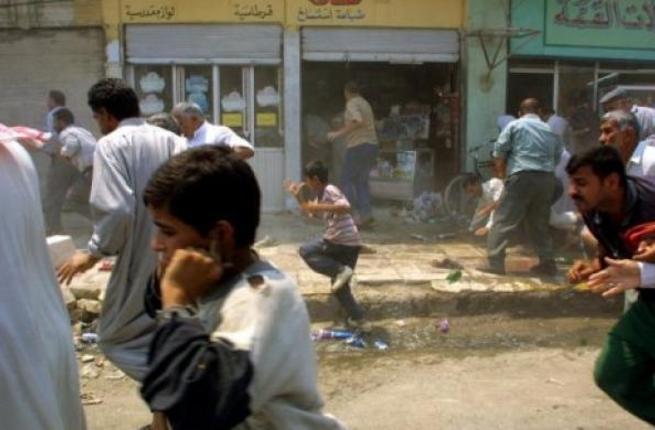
column 459, row 205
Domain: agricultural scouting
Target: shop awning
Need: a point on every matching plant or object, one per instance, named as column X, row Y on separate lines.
column 384, row 45
column 204, row 43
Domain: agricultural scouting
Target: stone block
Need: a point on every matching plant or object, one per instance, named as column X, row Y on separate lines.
column 61, row 248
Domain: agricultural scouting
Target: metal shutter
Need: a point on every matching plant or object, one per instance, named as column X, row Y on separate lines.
column 384, row 45
column 204, row 43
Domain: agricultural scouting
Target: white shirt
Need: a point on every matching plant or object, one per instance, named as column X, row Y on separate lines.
column 491, row 192
column 646, row 119
column 52, row 146
column 642, row 161
column 210, row 134
column 40, row 380
column 124, row 161
column 79, row 145
column 559, row 126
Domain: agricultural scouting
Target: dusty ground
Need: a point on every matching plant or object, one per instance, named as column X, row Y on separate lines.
column 510, row 361
column 489, row 372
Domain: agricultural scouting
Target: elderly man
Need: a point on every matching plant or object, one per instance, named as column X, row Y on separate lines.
column 125, row 158
column 612, row 203
column 621, row 130
column 619, row 99
column 526, row 153
column 199, row 131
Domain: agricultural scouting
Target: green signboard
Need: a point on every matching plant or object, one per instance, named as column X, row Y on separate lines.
column 593, row 29
column 628, row 24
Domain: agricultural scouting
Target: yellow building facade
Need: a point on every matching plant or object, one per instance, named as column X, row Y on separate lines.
column 274, row 70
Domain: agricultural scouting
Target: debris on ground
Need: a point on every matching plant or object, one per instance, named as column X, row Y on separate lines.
column 367, row 249
column 89, row 371
column 380, row 345
column 265, row 242
column 89, row 399
column 419, row 237
column 89, row 338
column 444, row 326
column 87, row 358
column 446, row 263
column 454, row 276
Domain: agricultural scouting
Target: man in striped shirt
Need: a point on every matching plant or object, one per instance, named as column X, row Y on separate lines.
column 336, row 254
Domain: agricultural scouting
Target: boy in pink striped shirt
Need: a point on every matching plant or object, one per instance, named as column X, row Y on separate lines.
column 336, row 253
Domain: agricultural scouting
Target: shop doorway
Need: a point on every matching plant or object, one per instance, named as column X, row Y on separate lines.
column 416, row 108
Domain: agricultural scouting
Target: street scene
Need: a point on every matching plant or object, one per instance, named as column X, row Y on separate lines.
column 327, row 214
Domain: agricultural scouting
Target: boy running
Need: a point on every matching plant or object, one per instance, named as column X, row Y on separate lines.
column 336, row 254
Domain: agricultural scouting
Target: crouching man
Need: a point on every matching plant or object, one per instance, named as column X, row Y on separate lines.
column 232, row 348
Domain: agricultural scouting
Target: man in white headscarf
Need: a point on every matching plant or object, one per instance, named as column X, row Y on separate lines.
column 39, row 388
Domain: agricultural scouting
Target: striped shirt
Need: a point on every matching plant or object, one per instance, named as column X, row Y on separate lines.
column 341, row 228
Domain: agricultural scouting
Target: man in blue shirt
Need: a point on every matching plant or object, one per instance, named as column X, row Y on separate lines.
column 526, row 154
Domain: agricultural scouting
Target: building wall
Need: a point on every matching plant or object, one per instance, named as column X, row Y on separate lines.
column 485, row 91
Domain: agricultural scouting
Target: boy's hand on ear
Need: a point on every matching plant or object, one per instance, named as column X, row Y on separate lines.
column 189, row 275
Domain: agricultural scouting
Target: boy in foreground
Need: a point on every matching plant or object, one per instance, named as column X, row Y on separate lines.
column 336, row 254
column 232, row 348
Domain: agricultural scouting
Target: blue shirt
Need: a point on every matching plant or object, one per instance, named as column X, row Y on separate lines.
column 528, row 144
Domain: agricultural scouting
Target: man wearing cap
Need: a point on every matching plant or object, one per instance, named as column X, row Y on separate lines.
column 619, row 99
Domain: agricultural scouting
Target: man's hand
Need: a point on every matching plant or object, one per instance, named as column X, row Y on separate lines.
column 482, row 231
column 333, row 135
column 80, row 262
column 189, row 275
column 617, row 277
column 645, row 252
column 580, row 271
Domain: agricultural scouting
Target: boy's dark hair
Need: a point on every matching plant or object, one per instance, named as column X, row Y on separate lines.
column 65, row 115
column 204, row 185
column 603, row 160
column 58, row 97
column 318, row 170
column 116, row 97
column 471, row 180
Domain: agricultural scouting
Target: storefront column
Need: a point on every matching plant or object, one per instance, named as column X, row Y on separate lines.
column 292, row 107
column 485, row 92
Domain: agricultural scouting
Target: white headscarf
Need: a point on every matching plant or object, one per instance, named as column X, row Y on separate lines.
column 39, row 382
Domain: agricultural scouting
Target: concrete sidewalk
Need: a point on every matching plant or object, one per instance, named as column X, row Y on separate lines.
column 398, row 278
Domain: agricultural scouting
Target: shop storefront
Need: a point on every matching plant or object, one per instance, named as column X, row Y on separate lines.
column 582, row 52
column 409, row 75
column 233, row 72
column 274, row 71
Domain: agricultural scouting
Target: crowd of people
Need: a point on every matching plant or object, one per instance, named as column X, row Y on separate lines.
column 216, row 336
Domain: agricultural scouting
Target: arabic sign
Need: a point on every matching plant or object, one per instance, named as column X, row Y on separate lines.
column 154, row 12
column 627, row 24
column 250, row 11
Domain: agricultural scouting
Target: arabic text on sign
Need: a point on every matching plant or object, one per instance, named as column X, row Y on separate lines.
column 253, row 11
column 603, row 14
column 326, row 13
column 156, row 12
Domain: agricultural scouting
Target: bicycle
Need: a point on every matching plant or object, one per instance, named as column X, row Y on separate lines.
column 459, row 206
